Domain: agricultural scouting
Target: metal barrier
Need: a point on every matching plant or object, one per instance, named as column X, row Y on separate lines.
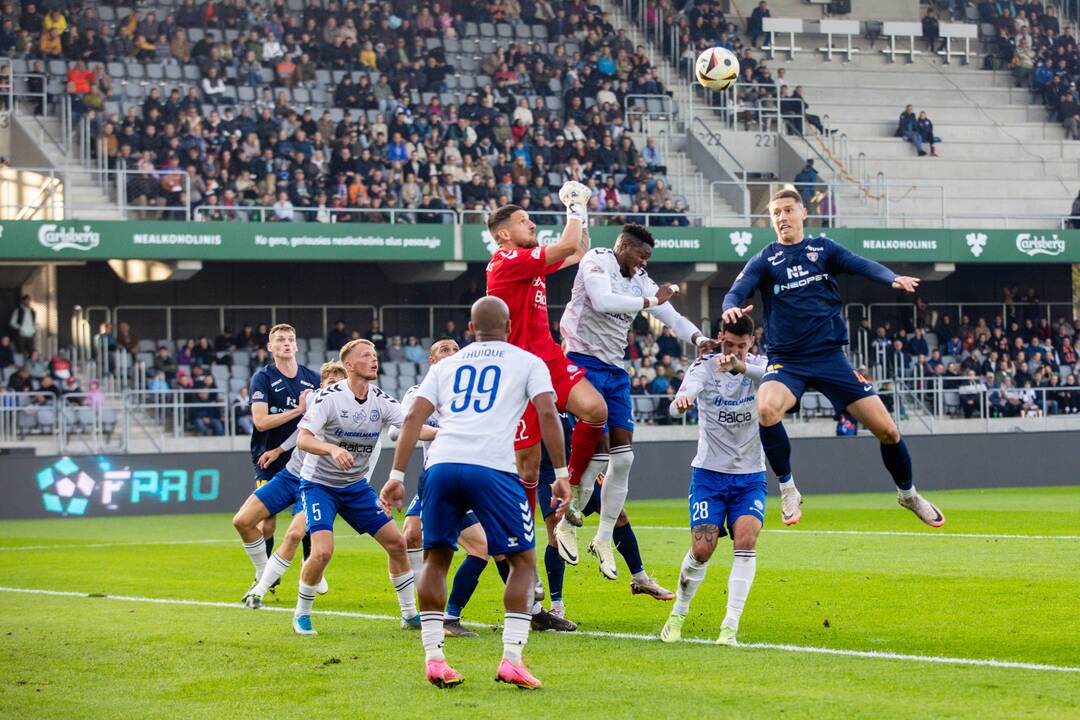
column 421, row 320
column 259, row 213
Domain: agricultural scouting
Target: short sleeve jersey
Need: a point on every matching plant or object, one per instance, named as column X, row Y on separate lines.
column 600, row 334
column 281, row 394
column 433, row 421
column 727, row 417
column 339, row 417
column 518, row 277
column 479, row 394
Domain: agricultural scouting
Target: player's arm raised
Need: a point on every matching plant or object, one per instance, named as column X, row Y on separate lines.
column 573, row 243
column 666, row 313
column 742, row 288
column 843, row 259
column 392, row 496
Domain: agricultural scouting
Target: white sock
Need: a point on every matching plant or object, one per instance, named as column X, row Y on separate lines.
column 432, row 634
column 257, row 552
column 614, row 490
column 305, row 598
column 273, row 571
column 640, row 576
column 738, row 584
column 788, row 484
column 557, row 605
column 404, row 585
column 515, row 635
column 909, row 493
column 416, row 560
column 536, row 607
column 691, row 574
column 597, row 465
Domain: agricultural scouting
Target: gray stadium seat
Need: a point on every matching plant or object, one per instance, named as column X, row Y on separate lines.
column 317, row 345
column 234, row 385
column 28, row 421
column 46, row 419
column 390, row 369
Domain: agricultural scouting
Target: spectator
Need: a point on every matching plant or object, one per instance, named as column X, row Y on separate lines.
column 908, row 129
column 204, row 414
column 186, row 356
column 376, row 336
column 917, row 344
column 24, row 323
column 7, row 353
column 806, row 182
column 755, row 25
column 21, row 381
column 395, row 351
column 668, row 343
column 931, row 32
column 60, row 366
column 104, row 342
column 260, row 358
column 925, row 128
column 414, row 352
column 164, row 363
column 337, row 337
column 241, row 407
column 450, row 331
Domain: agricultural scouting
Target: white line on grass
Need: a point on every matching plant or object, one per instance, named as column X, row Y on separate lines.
column 868, row 654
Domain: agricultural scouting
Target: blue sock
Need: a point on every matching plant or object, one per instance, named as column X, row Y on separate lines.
column 269, row 546
column 504, row 569
column 556, row 567
column 465, row 580
column 777, row 447
column 898, row 462
column 626, row 544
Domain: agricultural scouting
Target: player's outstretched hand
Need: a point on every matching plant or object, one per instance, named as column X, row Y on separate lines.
column 683, row 403
column 342, row 458
column 707, row 347
column 267, row 458
column 392, row 497
column 732, row 314
column 905, row 283
column 666, row 292
column 560, row 497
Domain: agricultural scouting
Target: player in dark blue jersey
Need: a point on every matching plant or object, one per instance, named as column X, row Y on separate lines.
column 278, row 400
column 805, row 335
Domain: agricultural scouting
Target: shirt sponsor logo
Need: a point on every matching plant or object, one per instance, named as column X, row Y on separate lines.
column 1032, row 245
column 801, row 282
column 258, row 395
column 55, row 237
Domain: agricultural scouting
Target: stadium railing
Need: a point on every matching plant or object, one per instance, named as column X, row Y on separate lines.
column 51, row 201
column 1007, row 311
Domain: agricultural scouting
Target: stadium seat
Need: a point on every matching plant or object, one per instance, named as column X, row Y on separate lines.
column 317, row 345
column 389, row 369
column 27, row 421
column 241, row 372
column 46, row 419
column 221, row 374
column 84, row 416
column 388, row 383
column 235, row 384
column 952, row 402
column 811, row 404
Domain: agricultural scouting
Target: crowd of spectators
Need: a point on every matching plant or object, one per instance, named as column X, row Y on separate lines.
column 423, row 120
column 1008, row 365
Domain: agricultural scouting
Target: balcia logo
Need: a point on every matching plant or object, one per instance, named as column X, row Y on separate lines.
column 740, row 240
column 1032, row 245
column 976, row 242
column 59, row 238
column 65, row 488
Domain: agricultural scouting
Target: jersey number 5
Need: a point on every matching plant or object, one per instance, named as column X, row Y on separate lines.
column 484, row 384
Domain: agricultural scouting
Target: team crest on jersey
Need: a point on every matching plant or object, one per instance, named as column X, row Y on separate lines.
column 812, row 256
column 535, row 253
column 359, row 416
column 374, row 417
column 571, row 369
column 258, row 395
column 636, row 291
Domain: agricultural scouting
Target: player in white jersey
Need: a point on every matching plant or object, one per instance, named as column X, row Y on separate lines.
column 471, row 536
column 340, row 434
column 727, row 484
column 480, row 394
column 282, row 556
column 610, row 289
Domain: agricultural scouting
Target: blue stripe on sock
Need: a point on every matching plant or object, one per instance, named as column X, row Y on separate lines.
column 556, row 569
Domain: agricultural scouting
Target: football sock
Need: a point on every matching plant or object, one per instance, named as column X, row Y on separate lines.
column 786, row 482
column 739, row 582
column 269, row 546
column 416, row 560
column 530, row 497
column 306, row 544
column 627, row 545
column 404, row 585
column 515, row 635
column 614, row 490
column 465, row 581
column 898, row 462
column 305, row 598
column 556, row 568
column 536, row 608
column 504, row 569
column 597, row 467
column 432, row 634
column 777, row 447
column 691, row 574
column 275, row 568
column 257, row 552
column 583, row 444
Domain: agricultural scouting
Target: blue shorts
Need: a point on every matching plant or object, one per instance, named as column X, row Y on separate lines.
column 543, row 493
column 613, row 384
column 829, row 373
column 357, row 504
column 498, row 499
column 280, row 492
column 416, row 506
column 722, row 498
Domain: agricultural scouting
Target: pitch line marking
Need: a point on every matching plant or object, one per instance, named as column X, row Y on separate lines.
column 867, row 654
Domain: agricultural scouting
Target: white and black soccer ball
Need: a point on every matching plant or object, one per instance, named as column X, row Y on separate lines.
column 717, row 69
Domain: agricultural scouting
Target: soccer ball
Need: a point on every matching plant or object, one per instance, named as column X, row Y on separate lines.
column 717, row 69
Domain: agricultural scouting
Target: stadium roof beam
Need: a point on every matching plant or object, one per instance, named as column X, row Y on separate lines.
column 140, row 271
column 423, row 272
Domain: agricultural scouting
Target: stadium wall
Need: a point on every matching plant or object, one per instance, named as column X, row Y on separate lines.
column 104, row 485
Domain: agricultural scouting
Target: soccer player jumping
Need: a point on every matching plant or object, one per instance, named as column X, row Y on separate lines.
column 805, row 334
column 517, row 275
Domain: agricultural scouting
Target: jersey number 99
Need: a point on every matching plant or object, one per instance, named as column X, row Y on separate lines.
column 484, row 384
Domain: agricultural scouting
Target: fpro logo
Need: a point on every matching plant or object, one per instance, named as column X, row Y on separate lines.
column 976, row 243
column 59, row 238
column 1032, row 245
column 740, row 240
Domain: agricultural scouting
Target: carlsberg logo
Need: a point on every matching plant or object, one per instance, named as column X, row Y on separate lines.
column 59, row 238
column 1033, row 245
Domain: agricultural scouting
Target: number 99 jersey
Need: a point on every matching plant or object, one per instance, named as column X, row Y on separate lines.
column 479, row 394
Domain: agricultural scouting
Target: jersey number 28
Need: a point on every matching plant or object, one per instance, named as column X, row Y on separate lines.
column 484, row 384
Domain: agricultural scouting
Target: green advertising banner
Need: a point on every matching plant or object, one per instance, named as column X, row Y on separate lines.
column 168, row 240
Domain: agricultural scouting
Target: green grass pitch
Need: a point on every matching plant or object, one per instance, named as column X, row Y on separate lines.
column 916, row 593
